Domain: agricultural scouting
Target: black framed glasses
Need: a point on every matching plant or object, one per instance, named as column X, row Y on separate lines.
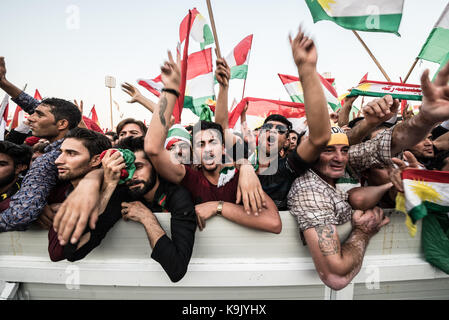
column 279, row 128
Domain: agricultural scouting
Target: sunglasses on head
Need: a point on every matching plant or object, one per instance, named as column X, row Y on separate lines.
column 280, row 128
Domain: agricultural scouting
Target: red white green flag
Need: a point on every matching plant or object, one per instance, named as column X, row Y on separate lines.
column 397, row 90
column 3, row 116
column 294, row 89
column 259, row 109
column 238, row 59
column 424, row 191
column 363, row 15
column 153, row 85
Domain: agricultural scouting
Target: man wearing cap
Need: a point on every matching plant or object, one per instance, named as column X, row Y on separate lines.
column 320, row 207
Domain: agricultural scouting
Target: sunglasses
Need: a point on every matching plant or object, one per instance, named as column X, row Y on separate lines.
column 279, row 128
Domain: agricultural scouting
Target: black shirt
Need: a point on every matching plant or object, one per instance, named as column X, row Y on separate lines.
column 173, row 254
column 277, row 185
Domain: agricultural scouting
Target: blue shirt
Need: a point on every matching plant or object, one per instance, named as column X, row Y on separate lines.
column 26, row 205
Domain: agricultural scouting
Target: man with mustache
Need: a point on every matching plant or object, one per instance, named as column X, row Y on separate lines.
column 136, row 200
column 319, row 207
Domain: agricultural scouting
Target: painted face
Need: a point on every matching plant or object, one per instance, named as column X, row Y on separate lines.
column 424, row 149
column 272, row 137
column 43, row 123
column 144, row 177
column 130, row 130
column 7, row 170
column 208, row 149
column 74, row 162
column 180, row 151
column 333, row 160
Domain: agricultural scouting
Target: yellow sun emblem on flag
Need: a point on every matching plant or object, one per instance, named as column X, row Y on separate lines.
column 425, row 191
column 364, row 87
column 325, row 4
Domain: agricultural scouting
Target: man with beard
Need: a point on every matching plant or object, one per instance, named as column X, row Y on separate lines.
column 14, row 160
column 136, row 200
column 79, row 155
column 50, row 119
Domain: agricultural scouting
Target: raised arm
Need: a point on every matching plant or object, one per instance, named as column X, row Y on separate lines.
column 160, row 123
column 317, row 115
column 338, row 264
column 25, row 101
column 434, row 109
column 7, row 86
column 375, row 112
column 136, row 96
column 223, row 73
column 343, row 116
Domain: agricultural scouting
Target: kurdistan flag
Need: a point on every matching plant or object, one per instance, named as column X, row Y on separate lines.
column 424, row 191
column 363, row 15
column 199, row 30
column 238, row 59
column 369, row 88
column 294, row 89
column 200, row 83
column 436, row 47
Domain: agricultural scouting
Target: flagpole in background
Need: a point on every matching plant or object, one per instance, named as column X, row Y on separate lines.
column 411, row 69
column 212, row 22
column 110, row 83
column 372, row 56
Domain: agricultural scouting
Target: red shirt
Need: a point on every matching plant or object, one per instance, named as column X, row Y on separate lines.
column 203, row 191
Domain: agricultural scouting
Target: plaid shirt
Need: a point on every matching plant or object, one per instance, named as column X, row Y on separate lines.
column 315, row 203
column 26, row 205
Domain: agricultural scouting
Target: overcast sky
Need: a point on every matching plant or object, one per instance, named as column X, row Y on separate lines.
column 66, row 48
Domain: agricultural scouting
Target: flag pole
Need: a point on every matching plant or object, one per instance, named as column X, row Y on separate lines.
column 110, row 96
column 372, row 56
column 411, row 69
column 212, row 22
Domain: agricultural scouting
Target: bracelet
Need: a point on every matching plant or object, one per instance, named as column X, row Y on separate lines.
column 172, row 91
column 219, row 208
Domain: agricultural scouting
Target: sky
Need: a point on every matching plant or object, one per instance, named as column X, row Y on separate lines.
column 65, row 48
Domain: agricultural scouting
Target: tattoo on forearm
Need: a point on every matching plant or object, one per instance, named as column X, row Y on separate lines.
column 163, row 107
column 328, row 245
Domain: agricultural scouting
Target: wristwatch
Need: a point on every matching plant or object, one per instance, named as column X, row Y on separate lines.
column 219, row 208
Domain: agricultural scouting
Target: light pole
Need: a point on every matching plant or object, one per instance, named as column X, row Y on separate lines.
column 109, row 82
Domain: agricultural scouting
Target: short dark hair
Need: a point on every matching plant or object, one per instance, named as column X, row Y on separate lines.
column 206, row 125
column 133, row 144
column 293, row 131
column 20, row 154
column 126, row 121
column 112, row 134
column 279, row 118
column 63, row 109
column 95, row 142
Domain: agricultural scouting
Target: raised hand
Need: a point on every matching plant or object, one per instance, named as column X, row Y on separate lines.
column 380, row 110
column 223, row 72
column 395, row 174
column 171, row 73
column 132, row 91
column 80, row 106
column 304, row 50
column 2, row 69
column 435, row 106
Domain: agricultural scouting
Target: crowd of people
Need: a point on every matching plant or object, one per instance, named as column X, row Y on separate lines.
column 339, row 179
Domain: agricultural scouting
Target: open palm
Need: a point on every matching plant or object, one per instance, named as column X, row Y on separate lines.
column 435, row 105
